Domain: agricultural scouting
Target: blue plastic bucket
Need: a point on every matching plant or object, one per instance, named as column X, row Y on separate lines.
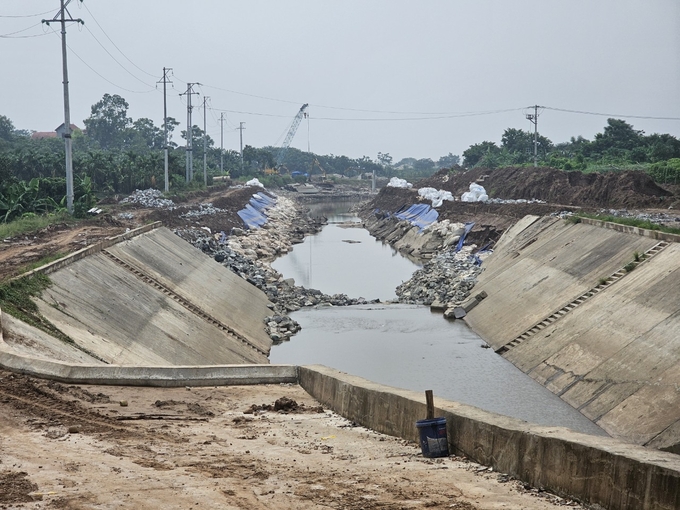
column 433, row 439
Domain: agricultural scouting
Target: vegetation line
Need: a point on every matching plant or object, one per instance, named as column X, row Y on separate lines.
column 633, row 222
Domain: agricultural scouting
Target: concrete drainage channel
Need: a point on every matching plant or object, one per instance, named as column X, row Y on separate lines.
column 595, row 470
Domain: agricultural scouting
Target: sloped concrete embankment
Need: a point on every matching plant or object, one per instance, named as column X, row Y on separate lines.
column 569, row 305
column 149, row 300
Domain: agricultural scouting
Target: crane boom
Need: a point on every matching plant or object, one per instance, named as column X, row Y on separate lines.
column 291, row 133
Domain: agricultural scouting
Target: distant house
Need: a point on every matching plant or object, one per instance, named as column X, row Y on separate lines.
column 39, row 135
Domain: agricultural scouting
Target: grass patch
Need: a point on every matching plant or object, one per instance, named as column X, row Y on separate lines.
column 633, row 222
column 31, row 223
column 16, row 300
column 43, row 261
column 603, row 281
column 629, row 267
column 573, row 219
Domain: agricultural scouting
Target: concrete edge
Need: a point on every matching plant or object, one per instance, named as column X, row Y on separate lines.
column 629, row 229
column 89, row 250
column 162, row 376
column 593, row 469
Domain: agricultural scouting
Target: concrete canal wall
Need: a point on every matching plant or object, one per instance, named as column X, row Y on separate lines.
column 563, row 309
column 148, row 299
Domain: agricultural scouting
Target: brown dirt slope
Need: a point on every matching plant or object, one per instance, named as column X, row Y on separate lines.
column 19, row 253
column 630, row 189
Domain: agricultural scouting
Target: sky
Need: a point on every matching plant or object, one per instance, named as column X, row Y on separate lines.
column 412, row 79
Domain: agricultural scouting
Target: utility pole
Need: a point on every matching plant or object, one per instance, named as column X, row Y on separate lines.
column 165, row 126
column 205, row 144
column 241, row 128
column 190, row 133
column 222, row 143
column 533, row 118
column 61, row 18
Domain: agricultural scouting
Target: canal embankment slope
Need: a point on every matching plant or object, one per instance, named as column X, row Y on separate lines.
column 147, row 299
column 591, row 311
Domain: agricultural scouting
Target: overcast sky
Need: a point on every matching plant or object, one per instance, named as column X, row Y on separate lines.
column 439, row 75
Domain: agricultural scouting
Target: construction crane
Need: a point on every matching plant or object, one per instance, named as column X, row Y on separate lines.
column 291, row 133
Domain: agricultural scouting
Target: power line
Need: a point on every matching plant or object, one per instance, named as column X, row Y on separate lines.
column 102, row 76
column 23, row 36
column 114, row 44
column 116, row 61
column 359, row 119
column 610, row 114
column 25, row 15
column 22, row 30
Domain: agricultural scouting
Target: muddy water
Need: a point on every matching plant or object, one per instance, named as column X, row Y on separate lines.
column 344, row 259
column 402, row 345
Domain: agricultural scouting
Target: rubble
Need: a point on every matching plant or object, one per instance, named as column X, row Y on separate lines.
column 149, row 198
column 203, row 210
column 447, row 278
column 248, row 253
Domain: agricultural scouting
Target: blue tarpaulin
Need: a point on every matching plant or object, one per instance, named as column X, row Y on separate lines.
column 468, row 227
column 254, row 214
column 420, row 215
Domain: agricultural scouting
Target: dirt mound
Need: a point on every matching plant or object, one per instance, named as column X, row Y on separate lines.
column 630, row 189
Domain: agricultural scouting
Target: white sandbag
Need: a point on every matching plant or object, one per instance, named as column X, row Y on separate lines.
column 396, row 182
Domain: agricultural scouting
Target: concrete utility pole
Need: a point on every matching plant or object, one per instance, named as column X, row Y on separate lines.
column 205, row 144
column 222, row 143
column 533, row 118
column 165, row 125
column 190, row 133
column 61, row 18
column 241, row 128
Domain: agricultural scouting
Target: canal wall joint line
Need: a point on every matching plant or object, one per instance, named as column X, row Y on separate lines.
column 150, row 280
column 578, row 301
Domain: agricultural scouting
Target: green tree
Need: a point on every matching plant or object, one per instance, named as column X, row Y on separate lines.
column 520, row 145
column 145, row 135
column 6, row 128
column 448, row 161
column 108, row 123
column 385, row 159
column 474, row 154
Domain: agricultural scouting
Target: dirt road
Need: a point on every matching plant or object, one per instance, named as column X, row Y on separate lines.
column 195, row 448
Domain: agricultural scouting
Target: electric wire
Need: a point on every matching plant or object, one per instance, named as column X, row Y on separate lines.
column 359, row 119
column 19, row 31
column 645, row 117
column 99, row 74
column 117, row 62
column 25, row 15
column 114, row 44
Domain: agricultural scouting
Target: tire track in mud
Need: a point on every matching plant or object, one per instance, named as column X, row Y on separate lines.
column 38, row 401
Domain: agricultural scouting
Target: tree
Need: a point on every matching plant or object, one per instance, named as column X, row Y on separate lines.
column 108, row 122
column 385, row 159
column 474, row 154
column 618, row 136
column 6, row 128
column 145, row 135
column 172, row 124
column 423, row 165
column 448, row 161
column 520, row 144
